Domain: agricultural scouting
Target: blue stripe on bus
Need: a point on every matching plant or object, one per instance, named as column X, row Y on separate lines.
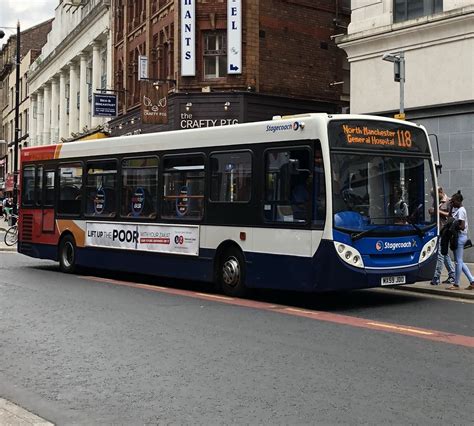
column 262, row 270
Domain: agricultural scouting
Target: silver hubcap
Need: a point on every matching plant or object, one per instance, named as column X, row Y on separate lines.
column 231, row 271
column 68, row 254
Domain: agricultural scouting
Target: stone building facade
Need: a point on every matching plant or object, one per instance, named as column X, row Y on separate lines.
column 287, row 59
column 74, row 63
column 437, row 39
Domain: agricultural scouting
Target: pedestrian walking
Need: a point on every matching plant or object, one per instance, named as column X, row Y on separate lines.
column 459, row 214
column 443, row 210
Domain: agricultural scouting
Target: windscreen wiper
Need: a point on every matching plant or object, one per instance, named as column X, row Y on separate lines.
column 419, row 231
column 359, row 235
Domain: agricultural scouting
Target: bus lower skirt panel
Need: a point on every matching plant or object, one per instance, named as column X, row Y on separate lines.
column 324, row 272
column 40, row 251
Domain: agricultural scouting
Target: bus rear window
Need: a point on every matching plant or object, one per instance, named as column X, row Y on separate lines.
column 28, row 187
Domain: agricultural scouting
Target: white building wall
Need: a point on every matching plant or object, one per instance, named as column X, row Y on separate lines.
column 74, row 33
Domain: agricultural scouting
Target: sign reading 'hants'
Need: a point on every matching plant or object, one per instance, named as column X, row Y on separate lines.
column 234, row 36
column 188, row 31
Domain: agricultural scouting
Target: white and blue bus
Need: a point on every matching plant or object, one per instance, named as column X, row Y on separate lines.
column 311, row 202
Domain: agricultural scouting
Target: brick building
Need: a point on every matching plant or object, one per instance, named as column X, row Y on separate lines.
column 227, row 61
column 31, row 42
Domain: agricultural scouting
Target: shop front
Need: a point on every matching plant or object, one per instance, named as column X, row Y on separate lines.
column 197, row 110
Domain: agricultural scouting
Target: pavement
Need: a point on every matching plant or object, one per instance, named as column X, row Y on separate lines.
column 13, row 415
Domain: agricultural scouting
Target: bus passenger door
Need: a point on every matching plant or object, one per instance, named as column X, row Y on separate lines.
column 47, row 215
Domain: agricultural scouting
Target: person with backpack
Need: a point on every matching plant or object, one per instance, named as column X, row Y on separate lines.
column 459, row 214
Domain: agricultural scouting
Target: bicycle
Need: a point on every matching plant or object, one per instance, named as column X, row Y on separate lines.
column 11, row 236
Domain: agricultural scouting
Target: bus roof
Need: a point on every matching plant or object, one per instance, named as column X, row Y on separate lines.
column 286, row 128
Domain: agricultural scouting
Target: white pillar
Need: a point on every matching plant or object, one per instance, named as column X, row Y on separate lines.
column 63, row 126
column 47, row 114
column 54, row 110
column 39, row 119
column 95, row 121
column 109, row 60
column 84, row 101
column 73, row 86
column 32, row 119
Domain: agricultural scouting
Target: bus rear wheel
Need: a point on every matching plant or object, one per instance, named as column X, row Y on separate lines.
column 232, row 273
column 67, row 254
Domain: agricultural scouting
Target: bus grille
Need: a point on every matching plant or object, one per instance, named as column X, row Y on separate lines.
column 27, row 228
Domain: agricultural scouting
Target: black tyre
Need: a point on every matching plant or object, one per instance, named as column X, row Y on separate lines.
column 11, row 236
column 67, row 254
column 231, row 273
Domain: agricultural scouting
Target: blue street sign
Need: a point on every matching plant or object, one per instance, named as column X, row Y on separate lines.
column 105, row 105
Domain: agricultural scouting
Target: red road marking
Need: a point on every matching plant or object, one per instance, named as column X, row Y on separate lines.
column 422, row 333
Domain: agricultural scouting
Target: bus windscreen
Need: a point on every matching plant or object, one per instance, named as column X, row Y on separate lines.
column 369, row 134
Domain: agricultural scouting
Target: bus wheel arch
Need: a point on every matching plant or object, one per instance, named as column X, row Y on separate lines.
column 67, row 253
column 230, row 270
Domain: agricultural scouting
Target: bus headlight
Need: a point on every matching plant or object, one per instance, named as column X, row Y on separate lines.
column 428, row 249
column 349, row 255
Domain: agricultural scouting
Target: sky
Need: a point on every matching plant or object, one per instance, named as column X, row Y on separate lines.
column 29, row 12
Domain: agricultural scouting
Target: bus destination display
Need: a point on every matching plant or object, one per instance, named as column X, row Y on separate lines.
column 377, row 135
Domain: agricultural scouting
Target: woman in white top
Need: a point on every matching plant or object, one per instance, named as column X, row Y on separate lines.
column 459, row 213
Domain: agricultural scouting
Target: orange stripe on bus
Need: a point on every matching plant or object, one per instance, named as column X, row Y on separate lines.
column 78, row 233
column 57, row 151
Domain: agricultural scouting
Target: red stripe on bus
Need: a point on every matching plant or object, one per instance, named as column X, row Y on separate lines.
column 39, row 153
column 422, row 333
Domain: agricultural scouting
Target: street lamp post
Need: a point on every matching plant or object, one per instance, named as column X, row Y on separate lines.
column 398, row 60
column 17, row 115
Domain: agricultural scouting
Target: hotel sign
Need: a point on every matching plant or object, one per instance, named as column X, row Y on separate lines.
column 104, row 105
column 188, row 38
column 234, row 36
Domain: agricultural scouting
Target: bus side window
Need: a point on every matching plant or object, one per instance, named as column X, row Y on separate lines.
column 101, row 183
column 139, row 187
column 288, row 180
column 231, row 177
column 183, row 192
column 70, row 189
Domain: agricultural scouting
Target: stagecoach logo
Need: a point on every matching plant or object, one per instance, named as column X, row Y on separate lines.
column 284, row 127
column 380, row 245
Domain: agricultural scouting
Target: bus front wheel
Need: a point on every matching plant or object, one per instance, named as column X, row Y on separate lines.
column 232, row 273
column 67, row 254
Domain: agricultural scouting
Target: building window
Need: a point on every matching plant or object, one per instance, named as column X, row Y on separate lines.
column 215, row 54
column 404, row 10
